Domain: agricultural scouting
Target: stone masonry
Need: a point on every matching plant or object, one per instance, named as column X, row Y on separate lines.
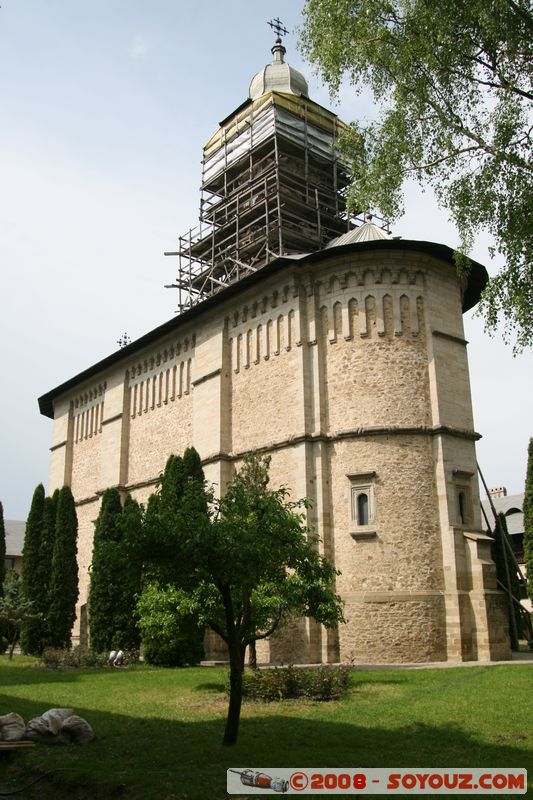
column 349, row 368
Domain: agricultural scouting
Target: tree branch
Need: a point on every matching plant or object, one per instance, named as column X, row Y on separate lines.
column 218, row 630
column 526, row 18
column 268, row 633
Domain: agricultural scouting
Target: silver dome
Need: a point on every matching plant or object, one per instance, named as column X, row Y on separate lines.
column 278, row 77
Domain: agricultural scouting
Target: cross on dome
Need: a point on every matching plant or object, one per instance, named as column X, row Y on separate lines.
column 278, row 27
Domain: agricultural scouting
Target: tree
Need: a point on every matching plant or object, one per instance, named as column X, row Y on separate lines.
column 31, row 588
column 507, row 577
column 2, row 549
column 171, row 631
column 115, row 574
column 63, row 592
column 44, row 570
column 453, row 81
column 248, row 565
column 528, row 519
column 125, row 620
column 104, row 577
column 15, row 610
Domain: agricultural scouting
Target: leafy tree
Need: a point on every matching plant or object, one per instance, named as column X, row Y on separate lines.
column 453, row 80
column 115, row 574
column 2, row 549
column 63, row 592
column 528, row 519
column 31, row 588
column 248, row 565
column 15, row 610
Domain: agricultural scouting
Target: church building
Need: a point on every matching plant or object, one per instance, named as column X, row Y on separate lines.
column 333, row 347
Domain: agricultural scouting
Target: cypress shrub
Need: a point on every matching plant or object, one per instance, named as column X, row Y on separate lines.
column 125, row 621
column 170, row 633
column 501, row 574
column 115, row 574
column 2, row 549
column 528, row 520
column 103, row 572
column 63, row 592
column 44, row 571
column 31, row 638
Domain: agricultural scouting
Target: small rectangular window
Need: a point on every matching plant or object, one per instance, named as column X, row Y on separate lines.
column 362, row 507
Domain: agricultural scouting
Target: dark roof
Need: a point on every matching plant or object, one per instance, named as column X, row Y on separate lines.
column 477, row 280
column 15, row 530
column 505, row 504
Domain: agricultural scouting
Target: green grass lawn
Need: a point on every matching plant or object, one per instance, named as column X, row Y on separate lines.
column 159, row 731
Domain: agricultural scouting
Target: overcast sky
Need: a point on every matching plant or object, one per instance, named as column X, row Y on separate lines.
column 104, row 109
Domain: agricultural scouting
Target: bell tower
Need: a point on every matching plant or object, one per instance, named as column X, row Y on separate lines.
column 273, row 184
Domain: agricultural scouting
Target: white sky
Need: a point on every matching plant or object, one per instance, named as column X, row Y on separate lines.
column 104, row 109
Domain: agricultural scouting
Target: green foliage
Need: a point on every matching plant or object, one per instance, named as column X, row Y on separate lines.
column 246, row 561
column 75, row 658
column 2, row 549
column 501, row 574
column 115, row 574
column 528, row 519
column 63, row 592
column 37, row 568
column 31, row 639
column 169, row 626
column 285, row 683
column 105, row 573
column 453, row 82
column 16, row 611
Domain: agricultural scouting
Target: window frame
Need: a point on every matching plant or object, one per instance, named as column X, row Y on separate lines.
column 362, row 483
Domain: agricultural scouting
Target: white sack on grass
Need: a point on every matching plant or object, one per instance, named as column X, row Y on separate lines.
column 38, row 730
column 55, row 717
column 77, row 729
column 12, row 727
column 59, row 726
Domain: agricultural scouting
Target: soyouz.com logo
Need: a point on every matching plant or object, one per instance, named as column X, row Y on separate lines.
column 376, row 781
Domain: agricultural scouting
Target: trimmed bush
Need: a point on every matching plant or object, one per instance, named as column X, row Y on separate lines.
column 287, row 683
column 77, row 658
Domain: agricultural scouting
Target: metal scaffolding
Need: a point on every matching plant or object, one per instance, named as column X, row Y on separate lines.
column 272, row 185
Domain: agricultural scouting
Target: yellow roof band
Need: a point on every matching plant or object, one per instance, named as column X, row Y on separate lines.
column 299, row 106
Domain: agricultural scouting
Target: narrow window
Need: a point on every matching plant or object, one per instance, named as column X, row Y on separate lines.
column 362, row 509
column 462, row 508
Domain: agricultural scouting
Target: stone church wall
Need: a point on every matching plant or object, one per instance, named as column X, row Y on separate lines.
column 350, row 371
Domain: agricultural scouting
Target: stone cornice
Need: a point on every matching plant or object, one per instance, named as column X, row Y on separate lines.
column 450, row 337
column 208, row 376
column 114, row 418
column 58, row 445
column 356, row 433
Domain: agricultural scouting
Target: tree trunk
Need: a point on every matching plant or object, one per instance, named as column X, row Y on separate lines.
column 252, row 656
column 12, row 646
column 236, row 655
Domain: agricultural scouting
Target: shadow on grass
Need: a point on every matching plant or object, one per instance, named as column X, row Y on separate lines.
column 211, row 687
column 143, row 758
column 34, row 675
